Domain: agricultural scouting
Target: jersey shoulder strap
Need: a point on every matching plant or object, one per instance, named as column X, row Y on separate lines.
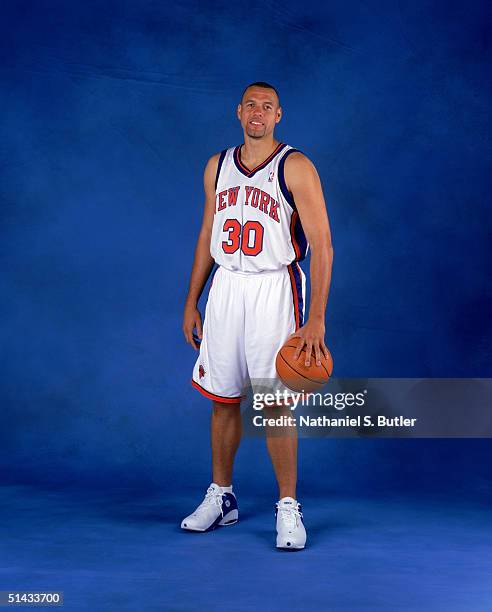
column 281, row 177
column 219, row 166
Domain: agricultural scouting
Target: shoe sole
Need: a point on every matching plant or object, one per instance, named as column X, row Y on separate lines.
column 225, row 522
column 285, row 545
column 212, row 528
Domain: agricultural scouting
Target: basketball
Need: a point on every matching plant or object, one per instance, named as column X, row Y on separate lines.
column 295, row 375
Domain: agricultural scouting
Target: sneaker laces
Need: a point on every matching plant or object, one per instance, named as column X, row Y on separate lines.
column 213, row 496
column 289, row 515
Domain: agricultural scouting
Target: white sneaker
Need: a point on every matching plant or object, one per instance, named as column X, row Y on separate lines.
column 217, row 509
column 291, row 533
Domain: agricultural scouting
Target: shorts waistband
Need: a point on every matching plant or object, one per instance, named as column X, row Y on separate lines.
column 262, row 274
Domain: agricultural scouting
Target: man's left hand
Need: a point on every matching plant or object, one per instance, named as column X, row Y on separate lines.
column 311, row 335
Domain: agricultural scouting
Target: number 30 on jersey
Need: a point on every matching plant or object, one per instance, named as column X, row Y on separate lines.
column 248, row 238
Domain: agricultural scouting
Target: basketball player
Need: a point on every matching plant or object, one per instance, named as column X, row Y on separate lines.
column 263, row 206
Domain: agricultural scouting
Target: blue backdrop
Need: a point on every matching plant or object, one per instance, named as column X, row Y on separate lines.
column 109, row 111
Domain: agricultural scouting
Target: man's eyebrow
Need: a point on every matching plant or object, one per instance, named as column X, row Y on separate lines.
column 253, row 100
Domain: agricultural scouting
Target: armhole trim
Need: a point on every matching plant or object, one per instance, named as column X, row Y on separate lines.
column 281, row 179
column 221, row 161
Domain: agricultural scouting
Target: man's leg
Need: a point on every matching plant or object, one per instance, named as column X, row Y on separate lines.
column 282, row 447
column 220, row 505
column 225, row 437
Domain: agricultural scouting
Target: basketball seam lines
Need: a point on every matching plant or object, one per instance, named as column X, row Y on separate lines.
column 304, row 350
column 299, row 373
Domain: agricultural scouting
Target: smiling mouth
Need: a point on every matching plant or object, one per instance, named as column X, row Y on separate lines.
column 256, row 123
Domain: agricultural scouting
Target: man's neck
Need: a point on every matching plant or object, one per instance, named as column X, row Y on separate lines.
column 256, row 150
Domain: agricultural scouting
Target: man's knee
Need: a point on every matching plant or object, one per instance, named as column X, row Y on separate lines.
column 225, row 411
column 280, row 422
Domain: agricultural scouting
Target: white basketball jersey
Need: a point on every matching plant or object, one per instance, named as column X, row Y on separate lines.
column 256, row 224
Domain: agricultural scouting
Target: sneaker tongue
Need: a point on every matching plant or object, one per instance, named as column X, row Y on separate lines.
column 215, row 487
column 287, row 501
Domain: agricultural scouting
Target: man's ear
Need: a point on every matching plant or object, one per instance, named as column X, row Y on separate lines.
column 279, row 115
column 238, row 112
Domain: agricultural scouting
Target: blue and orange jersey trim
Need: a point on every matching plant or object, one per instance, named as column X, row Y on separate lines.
column 297, row 235
column 281, row 178
column 246, row 171
column 219, row 166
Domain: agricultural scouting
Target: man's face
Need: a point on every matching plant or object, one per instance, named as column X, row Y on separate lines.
column 259, row 111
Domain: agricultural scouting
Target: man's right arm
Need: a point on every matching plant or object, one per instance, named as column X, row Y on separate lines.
column 203, row 261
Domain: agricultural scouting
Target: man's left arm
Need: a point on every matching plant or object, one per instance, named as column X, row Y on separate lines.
column 304, row 183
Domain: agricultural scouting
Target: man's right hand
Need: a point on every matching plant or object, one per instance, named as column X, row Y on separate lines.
column 192, row 319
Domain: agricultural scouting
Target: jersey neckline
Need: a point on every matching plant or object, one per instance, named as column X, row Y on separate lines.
column 246, row 171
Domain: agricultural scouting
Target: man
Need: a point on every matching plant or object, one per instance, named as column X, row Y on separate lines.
column 264, row 205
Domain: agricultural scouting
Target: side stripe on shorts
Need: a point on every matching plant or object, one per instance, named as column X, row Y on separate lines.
column 297, row 297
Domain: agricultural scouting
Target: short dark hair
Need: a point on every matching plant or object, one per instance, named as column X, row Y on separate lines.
column 264, row 85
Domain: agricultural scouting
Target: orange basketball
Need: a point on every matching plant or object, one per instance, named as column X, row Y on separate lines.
column 295, row 375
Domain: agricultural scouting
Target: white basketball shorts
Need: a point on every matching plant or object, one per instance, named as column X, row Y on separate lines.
column 248, row 318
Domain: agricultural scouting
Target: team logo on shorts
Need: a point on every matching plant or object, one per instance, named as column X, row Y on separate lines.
column 201, row 371
column 271, row 174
